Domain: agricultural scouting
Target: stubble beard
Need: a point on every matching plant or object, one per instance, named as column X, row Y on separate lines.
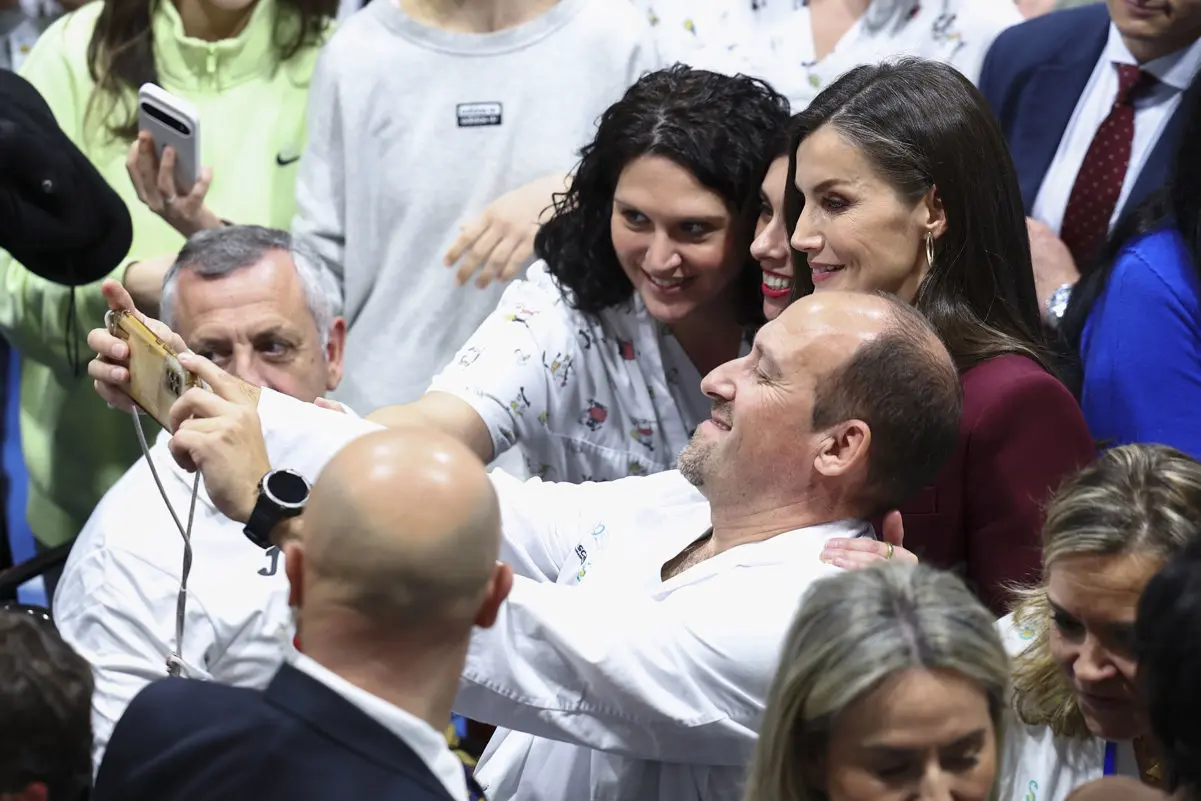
column 693, row 461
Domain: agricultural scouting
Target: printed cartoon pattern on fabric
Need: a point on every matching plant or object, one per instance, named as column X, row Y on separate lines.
column 584, row 398
column 773, row 39
column 588, row 552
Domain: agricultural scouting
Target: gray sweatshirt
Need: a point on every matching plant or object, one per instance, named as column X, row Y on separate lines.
column 413, row 132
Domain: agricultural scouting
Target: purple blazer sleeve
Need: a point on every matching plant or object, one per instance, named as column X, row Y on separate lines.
column 1025, row 437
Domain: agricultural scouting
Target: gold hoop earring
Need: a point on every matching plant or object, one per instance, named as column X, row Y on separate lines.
column 929, row 250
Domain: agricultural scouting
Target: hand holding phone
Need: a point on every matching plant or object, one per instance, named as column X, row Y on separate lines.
column 172, row 121
column 164, row 162
column 156, row 378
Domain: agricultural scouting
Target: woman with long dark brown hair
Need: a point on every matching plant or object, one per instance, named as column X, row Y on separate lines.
column 900, row 181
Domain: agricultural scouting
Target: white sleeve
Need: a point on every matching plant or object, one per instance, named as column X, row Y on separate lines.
column 542, row 521
column 699, row 33
column 981, row 21
column 648, row 56
column 683, row 679
column 118, row 612
column 320, row 220
column 302, row 436
column 504, row 372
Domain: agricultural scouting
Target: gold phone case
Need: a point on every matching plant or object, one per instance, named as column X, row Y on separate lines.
column 156, row 378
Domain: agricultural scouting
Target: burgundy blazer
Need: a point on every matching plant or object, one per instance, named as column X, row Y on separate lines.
column 1021, row 434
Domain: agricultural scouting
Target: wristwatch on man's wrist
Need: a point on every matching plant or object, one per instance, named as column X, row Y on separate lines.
column 1057, row 304
column 282, row 494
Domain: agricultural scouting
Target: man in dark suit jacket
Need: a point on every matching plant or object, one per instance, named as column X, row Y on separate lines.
column 187, row 739
column 398, row 564
column 1050, row 82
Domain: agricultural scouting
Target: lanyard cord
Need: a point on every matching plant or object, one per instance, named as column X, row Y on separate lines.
column 175, row 659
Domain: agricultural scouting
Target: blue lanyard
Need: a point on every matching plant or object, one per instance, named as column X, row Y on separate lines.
column 1111, row 758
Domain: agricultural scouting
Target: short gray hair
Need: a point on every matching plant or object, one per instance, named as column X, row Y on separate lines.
column 221, row 251
column 854, row 631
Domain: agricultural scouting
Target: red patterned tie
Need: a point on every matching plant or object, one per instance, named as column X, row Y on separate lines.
column 1099, row 182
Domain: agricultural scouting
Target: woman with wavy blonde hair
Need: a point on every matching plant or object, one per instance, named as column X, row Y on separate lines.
column 892, row 685
column 1108, row 531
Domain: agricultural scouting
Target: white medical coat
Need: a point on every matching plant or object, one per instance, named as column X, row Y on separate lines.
column 1038, row 765
column 115, row 604
column 774, row 40
column 583, row 398
column 608, row 683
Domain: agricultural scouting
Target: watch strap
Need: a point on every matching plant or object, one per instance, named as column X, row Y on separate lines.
column 264, row 517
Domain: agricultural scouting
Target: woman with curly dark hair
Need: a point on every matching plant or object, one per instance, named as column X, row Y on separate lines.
column 592, row 365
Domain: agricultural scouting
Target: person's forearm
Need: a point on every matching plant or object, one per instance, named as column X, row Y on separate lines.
column 555, row 184
column 443, row 412
column 144, row 281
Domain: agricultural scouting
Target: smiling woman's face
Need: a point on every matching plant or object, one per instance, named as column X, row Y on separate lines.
column 856, row 231
column 770, row 247
column 919, row 734
column 672, row 236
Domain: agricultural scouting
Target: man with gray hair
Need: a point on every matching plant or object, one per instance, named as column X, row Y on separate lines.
column 254, row 302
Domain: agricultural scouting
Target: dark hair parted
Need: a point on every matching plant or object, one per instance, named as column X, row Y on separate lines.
column 1167, row 645
column 922, row 125
column 45, row 710
column 721, row 129
column 908, row 392
column 121, row 51
column 1178, row 204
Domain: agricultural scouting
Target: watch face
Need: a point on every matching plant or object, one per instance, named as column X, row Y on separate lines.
column 286, row 488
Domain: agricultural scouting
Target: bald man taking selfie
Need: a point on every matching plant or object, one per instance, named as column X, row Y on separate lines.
column 635, row 651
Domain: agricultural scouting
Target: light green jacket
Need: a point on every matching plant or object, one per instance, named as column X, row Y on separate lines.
column 252, row 113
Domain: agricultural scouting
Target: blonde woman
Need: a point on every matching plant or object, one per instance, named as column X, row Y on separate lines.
column 891, row 685
column 1108, row 531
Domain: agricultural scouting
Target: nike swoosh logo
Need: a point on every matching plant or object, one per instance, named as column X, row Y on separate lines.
column 283, row 162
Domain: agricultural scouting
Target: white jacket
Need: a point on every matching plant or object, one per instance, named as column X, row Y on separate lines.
column 609, row 683
column 116, row 601
column 1039, row 766
column 582, row 398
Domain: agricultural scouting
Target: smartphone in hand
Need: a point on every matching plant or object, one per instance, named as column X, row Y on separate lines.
column 172, row 121
column 156, row 378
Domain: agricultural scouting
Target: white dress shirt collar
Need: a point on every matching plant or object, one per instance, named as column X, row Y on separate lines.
column 1175, row 70
column 429, row 744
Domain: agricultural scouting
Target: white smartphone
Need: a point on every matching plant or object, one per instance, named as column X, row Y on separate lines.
column 172, row 121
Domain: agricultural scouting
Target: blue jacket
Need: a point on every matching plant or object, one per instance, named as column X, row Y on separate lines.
column 1033, row 77
column 1141, row 348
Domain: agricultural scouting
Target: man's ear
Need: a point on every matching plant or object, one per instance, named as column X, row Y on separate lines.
column 294, row 568
column 335, row 350
column 497, row 591
column 844, row 449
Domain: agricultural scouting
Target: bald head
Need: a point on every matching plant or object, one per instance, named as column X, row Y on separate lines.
column 889, row 369
column 839, row 322
column 847, row 400
column 403, row 527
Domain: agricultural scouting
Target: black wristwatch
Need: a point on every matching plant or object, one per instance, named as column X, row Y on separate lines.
column 282, row 494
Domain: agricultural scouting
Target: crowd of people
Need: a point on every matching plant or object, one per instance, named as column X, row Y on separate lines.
column 739, row 399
